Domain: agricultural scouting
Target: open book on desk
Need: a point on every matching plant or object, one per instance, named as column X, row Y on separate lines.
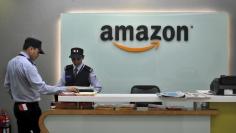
column 85, row 89
column 78, row 93
column 86, row 93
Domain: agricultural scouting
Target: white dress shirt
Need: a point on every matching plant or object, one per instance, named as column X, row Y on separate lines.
column 25, row 82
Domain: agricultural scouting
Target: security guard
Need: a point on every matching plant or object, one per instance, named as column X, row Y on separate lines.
column 79, row 74
column 25, row 86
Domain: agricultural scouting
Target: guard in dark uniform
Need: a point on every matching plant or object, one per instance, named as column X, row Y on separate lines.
column 77, row 78
column 79, row 74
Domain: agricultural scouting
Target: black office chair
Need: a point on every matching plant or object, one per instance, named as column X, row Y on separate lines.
column 145, row 89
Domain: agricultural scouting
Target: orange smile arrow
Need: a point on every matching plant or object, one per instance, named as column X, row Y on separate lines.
column 153, row 44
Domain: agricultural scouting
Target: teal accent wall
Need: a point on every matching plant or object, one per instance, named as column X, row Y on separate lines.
column 175, row 65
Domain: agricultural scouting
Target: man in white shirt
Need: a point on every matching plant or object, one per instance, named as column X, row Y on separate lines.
column 25, row 85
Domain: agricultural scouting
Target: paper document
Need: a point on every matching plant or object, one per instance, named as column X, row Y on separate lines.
column 196, row 95
column 84, row 87
column 204, row 92
column 177, row 94
column 78, row 93
column 86, row 93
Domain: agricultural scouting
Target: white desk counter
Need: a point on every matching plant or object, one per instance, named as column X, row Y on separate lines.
column 141, row 98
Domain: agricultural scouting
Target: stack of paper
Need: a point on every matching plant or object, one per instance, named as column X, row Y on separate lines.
column 77, row 94
column 85, row 93
column 104, row 106
column 204, row 92
column 125, row 107
column 156, row 107
column 67, row 94
column 196, row 95
column 84, row 87
column 177, row 94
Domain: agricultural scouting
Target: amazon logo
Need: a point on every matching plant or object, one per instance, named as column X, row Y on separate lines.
column 154, row 33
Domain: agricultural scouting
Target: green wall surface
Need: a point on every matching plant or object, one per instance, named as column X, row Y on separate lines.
column 225, row 121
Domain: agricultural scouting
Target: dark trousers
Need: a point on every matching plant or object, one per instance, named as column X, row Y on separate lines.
column 27, row 115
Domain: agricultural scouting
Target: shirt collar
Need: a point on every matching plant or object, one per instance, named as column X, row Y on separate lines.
column 25, row 54
column 79, row 66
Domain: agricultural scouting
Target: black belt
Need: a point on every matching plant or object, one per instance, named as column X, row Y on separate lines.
column 27, row 103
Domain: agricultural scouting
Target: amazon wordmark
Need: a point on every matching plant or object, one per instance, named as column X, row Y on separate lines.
column 144, row 33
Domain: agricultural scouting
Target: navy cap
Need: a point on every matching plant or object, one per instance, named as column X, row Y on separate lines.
column 32, row 42
column 77, row 53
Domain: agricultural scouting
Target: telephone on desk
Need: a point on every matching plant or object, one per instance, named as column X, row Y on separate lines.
column 225, row 85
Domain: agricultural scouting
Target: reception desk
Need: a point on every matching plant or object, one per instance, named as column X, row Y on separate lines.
column 184, row 121
column 142, row 98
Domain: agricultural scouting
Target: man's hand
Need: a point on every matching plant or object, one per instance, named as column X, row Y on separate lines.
column 72, row 89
